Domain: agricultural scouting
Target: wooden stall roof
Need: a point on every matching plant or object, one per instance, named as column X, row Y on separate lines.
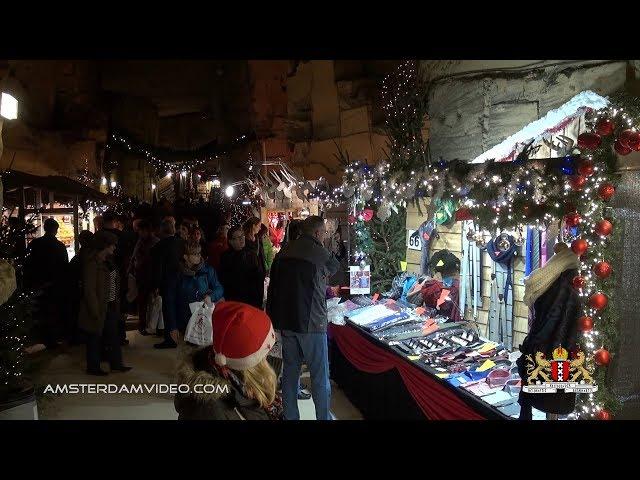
column 53, row 183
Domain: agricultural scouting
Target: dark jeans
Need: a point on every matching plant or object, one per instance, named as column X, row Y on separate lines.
column 169, row 310
column 143, row 303
column 121, row 327
column 109, row 339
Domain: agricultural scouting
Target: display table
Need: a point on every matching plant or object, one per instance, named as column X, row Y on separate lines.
column 386, row 385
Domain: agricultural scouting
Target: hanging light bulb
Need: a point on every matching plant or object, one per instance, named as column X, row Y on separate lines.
column 229, row 191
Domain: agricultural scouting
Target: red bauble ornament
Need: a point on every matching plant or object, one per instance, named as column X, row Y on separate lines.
column 634, row 141
column 572, row 219
column 606, row 191
column 585, row 324
column 604, row 228
column 598, row 301
column 351, row 219
column 602, row 357
column 579, row 246
column 605, row 127
column 589, row 141
column 577, row 182
column 463, row 214
column 602, row 269
column 586, row 168
column 367, row 214
column 578, row 281
column 603, row 415
column 620, row 148
column 624, row 137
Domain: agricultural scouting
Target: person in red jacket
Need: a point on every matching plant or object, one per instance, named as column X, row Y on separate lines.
column 217, row 247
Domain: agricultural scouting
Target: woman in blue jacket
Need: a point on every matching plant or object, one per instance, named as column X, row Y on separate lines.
column 198, row 282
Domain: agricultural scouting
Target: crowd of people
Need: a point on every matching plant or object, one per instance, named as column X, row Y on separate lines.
column 259, row 344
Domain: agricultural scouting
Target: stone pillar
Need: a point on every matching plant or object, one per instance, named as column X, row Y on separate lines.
column 625, row 366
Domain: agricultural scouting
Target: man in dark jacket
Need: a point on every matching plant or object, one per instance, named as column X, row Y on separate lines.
column 297, row 305
column 113, row 225
column 75, row 281
column 239, row 272
column 46, row 270
column 165, row 258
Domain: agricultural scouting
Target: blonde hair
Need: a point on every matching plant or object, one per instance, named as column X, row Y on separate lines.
column 260, row 383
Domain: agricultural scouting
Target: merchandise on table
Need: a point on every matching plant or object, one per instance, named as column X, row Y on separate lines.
column 370, row 314
column 452, row 351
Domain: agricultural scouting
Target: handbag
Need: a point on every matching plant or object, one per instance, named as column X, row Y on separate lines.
column 200, row 327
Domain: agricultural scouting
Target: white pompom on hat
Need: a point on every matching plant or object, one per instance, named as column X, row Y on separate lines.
column 242, row 335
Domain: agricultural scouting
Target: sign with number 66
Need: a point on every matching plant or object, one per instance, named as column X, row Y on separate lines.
column 413, row 240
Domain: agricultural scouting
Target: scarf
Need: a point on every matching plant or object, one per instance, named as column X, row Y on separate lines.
column 541, row 279
column 191, row 271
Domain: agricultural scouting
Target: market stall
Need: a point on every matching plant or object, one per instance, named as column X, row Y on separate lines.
column 501, row 296
column 69, row 202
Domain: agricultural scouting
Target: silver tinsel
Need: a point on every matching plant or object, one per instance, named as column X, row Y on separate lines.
column 626, row 265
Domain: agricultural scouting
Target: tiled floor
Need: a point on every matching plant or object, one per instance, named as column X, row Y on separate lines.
column 150, row 366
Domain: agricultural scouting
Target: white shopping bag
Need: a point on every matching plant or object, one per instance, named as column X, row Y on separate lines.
column 200, row 327
column 154, row 314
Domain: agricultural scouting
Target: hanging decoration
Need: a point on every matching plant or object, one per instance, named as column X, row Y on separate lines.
column 153, row 155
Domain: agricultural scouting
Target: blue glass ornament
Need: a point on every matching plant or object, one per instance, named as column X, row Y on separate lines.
column 464, row 190
column 568, row 165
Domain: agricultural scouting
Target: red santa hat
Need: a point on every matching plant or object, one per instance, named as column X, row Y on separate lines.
column 242, row 335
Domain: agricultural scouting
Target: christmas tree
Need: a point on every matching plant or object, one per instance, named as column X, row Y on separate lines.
column 389, row 249
column 15, row 307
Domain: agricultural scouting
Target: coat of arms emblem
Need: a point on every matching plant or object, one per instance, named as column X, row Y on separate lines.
column 560, row 373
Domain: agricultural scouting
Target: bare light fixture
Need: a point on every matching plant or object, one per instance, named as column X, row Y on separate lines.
column 153, row 186
column 215, row 183
column 104, row 181
column 113, row 184
column 8, row 106
column 11, row 90
column 229, row 191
